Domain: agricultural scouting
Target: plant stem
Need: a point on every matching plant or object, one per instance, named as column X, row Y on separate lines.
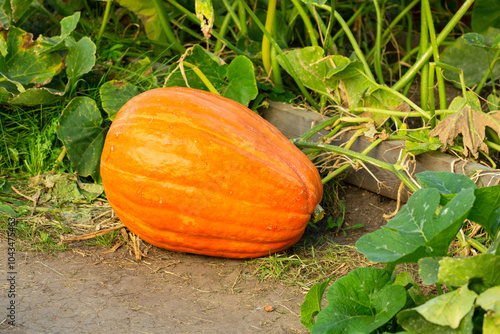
column 487, row 75
column 319, row 127
column 105, row 18
column 441, row 37
column 353, row 18
column 222, row 32
column 165, row 24
column 424, row 73
column 430, row 88
column 331, row 22
column 202, row 76
column 356, row 155
column 289, row 67
column 243, row 19
column 355, row 45
column 278, row 83
column 342, row 168
column 307, row 22
column 435, row 51
column 378, row 44
column 231, row 11
column 266, row 44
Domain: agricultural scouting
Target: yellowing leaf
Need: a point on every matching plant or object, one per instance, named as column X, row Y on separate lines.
column 205, row 13
column 471, row 124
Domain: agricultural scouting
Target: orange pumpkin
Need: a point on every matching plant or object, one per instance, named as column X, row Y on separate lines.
column 195, row 172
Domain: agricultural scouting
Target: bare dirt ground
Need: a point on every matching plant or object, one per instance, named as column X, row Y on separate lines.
column 88, row 289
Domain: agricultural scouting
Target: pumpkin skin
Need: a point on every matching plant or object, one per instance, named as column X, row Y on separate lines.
column 192, row 171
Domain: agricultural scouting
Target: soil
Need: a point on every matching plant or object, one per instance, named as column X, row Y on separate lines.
column 89, row 289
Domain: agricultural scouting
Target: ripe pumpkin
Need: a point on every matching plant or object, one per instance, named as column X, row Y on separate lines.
column 195, row 172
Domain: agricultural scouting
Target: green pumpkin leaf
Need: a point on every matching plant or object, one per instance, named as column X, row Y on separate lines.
column 308, row 67
column 51, row 44
column 114, row 94
column 419, row 142
column 480, row 271
column 312, row 303
column 146, row 11
column 15, row 9
column 445, row 182
column 242, row 86
column 83, row 136
column 486, row 209
column 448, row 309
column 37, row 96
column 486, row 13
column 80, row 59
column 205, row 62
column 360, row 302
column 415, row 323
column 429, row 270
column 472, row 60
column 416, row 232
column 23, row 64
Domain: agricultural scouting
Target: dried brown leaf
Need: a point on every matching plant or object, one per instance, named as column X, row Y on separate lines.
column 471, row 124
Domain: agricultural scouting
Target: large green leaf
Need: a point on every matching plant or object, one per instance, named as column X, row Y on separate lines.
column 448, row 309
column 51, row 44
column 486, row 14
column 312, row 303
column 15, row 9
column 474, row 61
column 481, row 271
column 206, row 63
column 415, row 323
column 23, row 64
column 360, row 302
column 445, row 182
column 486, row 209
column 146, row 11
column 416, row 232
column 242, row 86
column 307, row 65
column 80, row 58
column 114, row 94
column 489, row 300
column 83, row 136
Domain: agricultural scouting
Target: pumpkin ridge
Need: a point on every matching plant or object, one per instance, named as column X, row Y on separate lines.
column 291, row 176
column 149, row 228
column 261, row 205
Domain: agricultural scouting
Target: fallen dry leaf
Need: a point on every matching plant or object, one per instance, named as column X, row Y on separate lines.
column 471, row 124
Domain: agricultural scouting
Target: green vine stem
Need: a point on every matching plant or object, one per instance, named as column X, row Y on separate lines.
column 424, row 73
column 278, row 83
column 202, row 76
column 440, row 38
column 222, row 31
column 105, row 18
column 231, row 12
column 308, row 134
column 430, row 93
column 354, row 45
column 460, row 75
column 435, row 52
column 282, row 55
column 378, row 44
column 359, row 156
column 328, row 38
column 488, row 73
column 165, row 25
column 266, row 44
column 307, row 22
column 243, row 19
column 342, row 168
column 353, row 18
